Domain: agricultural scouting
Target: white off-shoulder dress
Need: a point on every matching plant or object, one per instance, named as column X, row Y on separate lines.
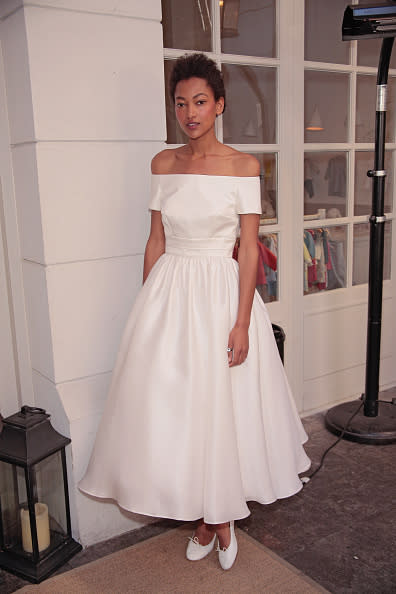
column 184, row 436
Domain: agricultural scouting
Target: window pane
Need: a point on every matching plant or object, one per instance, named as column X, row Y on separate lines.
column 368, row 53
column 248, row 27
column 268, row 178
column 368, row 50
column 325, row 184
column 364, row 160
column 326, row 106
column 325, row 259
column 250, row 115
column 267, row 274
column 323, row 42
column 269, row 188
column 361, row 249
column 187, row 24
column 366, row 93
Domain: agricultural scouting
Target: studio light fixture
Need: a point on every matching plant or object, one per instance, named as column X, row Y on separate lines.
column 377, row 425
column 369, row 21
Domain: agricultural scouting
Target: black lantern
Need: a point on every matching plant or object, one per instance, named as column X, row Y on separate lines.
column 35, row 528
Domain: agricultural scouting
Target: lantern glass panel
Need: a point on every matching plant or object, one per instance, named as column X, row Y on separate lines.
column 49, row 490
column 10, row 532
column 48, row 496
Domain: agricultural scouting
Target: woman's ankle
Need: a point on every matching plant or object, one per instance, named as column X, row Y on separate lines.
column 204, row 532
column 223, row 532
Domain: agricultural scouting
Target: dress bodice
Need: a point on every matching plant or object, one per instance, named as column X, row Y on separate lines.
column 201, row 212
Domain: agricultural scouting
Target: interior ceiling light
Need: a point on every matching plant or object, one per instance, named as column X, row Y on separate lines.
column 315, row 123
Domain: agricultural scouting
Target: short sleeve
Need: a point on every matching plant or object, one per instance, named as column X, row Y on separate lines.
column 248, row 195
column 155, row 198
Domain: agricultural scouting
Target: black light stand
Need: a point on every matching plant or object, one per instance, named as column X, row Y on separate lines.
column 377, row 423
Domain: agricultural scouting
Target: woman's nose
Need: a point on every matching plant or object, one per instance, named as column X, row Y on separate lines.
column 190, row 111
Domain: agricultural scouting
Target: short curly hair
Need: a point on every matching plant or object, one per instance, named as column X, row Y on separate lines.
column 201, row 66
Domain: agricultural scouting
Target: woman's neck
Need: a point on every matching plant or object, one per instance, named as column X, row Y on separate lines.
column 203, row 147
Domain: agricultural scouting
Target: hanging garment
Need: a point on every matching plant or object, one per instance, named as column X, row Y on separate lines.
column 336, row 176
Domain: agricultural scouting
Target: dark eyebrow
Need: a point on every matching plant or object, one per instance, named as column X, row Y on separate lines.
column 195, row 96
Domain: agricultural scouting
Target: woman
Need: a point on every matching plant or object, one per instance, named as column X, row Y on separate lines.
column 199, row 408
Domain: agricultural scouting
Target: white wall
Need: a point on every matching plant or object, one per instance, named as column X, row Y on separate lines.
column 335, row 347
column 86, row 114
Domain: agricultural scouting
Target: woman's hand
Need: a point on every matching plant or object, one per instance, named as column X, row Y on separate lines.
column 238, row 342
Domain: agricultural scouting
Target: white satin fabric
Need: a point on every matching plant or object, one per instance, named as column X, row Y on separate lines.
column 183, row 436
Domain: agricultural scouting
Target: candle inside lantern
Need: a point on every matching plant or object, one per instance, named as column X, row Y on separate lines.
column 42, row 524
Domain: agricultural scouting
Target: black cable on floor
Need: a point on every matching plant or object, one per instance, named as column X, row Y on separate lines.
column 306, row 479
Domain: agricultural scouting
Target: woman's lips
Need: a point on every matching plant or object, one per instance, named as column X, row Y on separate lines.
column 192, row 125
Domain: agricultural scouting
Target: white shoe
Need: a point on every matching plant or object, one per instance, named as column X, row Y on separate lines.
column 196, row 551
column 227, row 555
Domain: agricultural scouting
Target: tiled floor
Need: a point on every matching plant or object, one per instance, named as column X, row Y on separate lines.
column 340, row 529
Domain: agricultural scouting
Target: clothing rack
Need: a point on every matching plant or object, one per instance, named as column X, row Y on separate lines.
column 324, row 261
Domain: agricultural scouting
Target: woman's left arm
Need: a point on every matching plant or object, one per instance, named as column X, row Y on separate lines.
column 238, row 339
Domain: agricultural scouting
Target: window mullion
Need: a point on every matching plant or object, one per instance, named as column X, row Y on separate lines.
column 351, row 167
column 249, row 60
column 351, row 184
column 216, row 47
column 216, row 29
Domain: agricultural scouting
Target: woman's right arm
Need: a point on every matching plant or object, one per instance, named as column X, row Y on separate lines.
column 155, row 247
column 155, row 244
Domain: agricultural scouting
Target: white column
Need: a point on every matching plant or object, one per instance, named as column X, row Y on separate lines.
column 291, row 139
column 15, row 366
column 86, row 111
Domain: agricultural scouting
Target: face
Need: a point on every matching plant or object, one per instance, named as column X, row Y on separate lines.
column 196, row 108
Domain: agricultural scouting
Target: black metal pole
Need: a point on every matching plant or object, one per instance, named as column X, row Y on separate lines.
column 377, row 223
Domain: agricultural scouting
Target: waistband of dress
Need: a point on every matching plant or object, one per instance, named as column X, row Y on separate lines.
column 208, row 246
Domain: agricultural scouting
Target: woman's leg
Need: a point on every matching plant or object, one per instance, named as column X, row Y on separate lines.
column 204, row 532
column 224, row 534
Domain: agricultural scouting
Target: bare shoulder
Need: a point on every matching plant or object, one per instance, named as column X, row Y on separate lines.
column 163, row 161
column 245, row 165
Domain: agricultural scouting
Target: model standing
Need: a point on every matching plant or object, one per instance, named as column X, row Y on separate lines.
column 199, row 418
